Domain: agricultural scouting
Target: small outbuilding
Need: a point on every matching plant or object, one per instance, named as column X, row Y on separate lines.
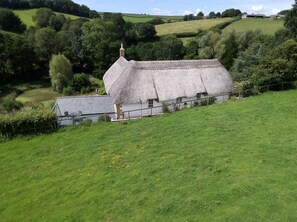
column 75, row 109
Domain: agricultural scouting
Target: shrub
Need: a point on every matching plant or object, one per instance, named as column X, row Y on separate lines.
column 79, row 81
column 68, row 91
column 104, row 118
column 165, row 108
column 28, row 121
column 85, row 90
column 176, row 107
column 86, row 122
column 11, row 104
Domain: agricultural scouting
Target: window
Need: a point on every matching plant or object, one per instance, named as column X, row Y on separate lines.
column 198, row 96
column 205, row 94
column 179, row 100
column 150, row 103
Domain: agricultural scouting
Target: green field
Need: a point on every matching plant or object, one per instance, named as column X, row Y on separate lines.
column 138, row 18
column 267, row 26
column 189, row 26
column 38, row 95
column 235, row 161
column 27, row 16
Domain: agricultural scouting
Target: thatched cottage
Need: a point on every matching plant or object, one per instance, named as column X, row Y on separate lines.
column 135, row 85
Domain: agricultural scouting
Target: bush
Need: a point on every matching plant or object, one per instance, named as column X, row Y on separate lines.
column 165, row 108
column 85, row 90
column 104, row 118
column 86, row 122
column 12, row 105
column 79, row 81
column 68, row 91
column 28, row 121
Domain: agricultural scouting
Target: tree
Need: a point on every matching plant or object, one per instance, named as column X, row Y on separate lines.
column 146, row 31
column 60, row 72
column 207, row 45
column 17, row 58
column 200, row 15
column 212, row 15
column 42, row 17
column 291, row 19
column 231, row 13
column 246, row 59
column 169, row 48
column 57, row 22
column 45, row 44
column 226, row 49
column 10, row 22
column 279, row 65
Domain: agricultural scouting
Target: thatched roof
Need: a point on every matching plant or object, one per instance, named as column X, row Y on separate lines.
column 132, row 81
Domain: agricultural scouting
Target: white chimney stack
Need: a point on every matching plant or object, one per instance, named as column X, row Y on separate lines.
column 122, row 51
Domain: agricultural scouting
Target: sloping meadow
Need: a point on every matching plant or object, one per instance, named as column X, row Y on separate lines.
column 234, row 161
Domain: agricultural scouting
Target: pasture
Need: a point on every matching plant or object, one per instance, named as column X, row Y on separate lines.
column 140, row 18
column 267, row 26
column 234, row 161
column 27, row 16
column 189, row 26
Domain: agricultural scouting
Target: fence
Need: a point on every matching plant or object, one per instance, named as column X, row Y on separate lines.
column 262, row 89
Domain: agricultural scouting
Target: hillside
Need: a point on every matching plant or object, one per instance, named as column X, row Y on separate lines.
column 189, row 26
column 230, row 162
column 27, row 16
column 267, row 26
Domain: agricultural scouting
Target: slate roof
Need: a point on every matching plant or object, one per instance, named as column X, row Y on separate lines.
column 131, row 81
column 84, row 104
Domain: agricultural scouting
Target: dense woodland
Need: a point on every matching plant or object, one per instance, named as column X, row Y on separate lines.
column 90, row 47
column 65, row 6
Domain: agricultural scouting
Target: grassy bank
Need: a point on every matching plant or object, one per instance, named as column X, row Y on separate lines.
column 235, row 161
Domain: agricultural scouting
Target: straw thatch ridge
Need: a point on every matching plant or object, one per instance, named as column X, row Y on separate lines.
column 132, row 81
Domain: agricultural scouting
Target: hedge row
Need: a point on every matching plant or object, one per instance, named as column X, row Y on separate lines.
column 223, row 25
column 27, row 121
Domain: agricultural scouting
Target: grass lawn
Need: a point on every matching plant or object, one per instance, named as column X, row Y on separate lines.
column 189, row 26
column 235, row 161
column 38, row 95
column 267, row 26
column 27, row 16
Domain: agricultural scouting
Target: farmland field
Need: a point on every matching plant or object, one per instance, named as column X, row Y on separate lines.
column 138, row 18
column 267, row 26
column 234, row 161
column 27, row 16
column 189, row 26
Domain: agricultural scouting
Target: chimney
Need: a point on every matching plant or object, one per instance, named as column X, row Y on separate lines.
column 122, row 51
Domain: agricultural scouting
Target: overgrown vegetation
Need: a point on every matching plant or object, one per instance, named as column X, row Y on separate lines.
column 33, row 120
column 230, row 162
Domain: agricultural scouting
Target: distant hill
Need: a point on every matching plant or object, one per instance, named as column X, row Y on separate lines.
column 27, row 16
